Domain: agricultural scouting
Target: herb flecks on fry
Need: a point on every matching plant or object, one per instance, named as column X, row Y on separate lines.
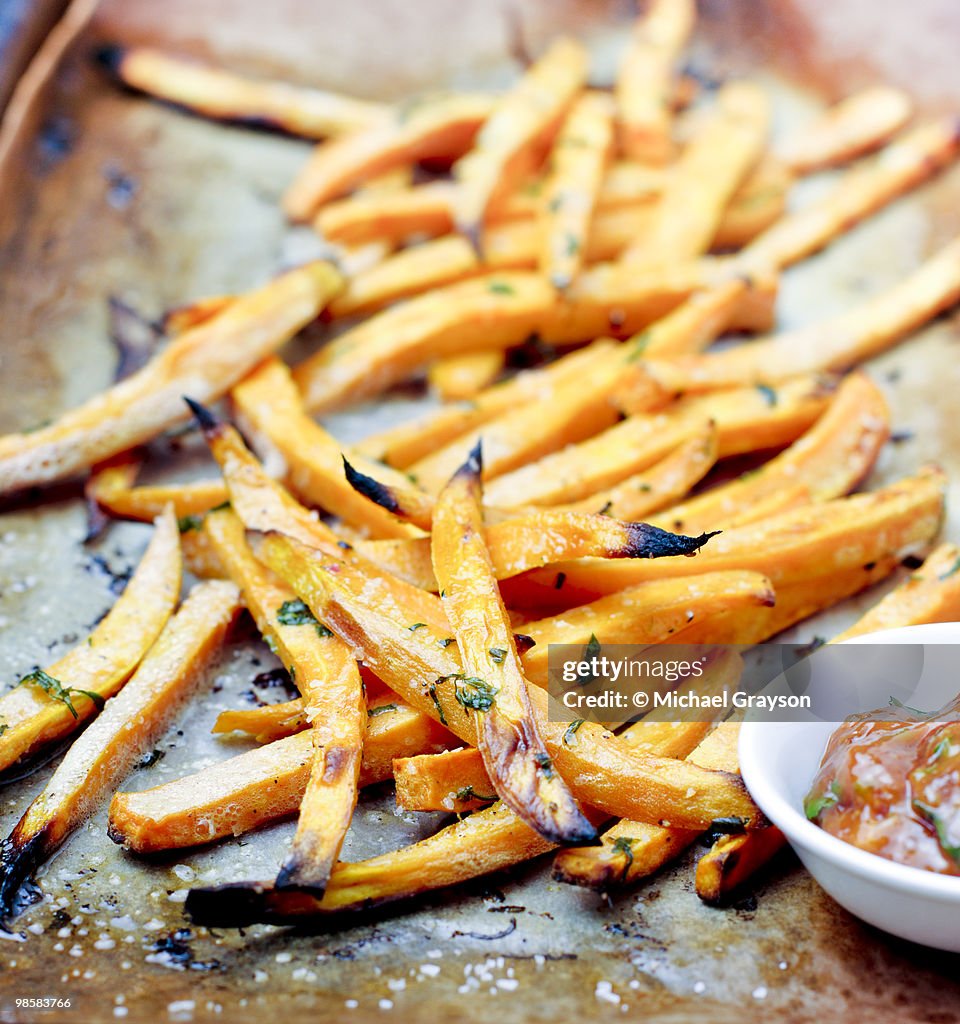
column 513, row 751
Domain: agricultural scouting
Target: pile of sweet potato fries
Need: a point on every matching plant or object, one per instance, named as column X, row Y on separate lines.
column 627, row 231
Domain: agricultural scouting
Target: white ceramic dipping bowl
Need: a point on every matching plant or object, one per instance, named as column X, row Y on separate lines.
column 779, row 761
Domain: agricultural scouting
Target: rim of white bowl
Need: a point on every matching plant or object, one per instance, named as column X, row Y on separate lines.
column 800, row 830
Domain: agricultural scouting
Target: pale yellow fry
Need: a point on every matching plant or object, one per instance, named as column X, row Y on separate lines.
column 859, row 123
column 578, row 164
column 203, row 363
column 525, row 118
column 645, row 80
column 703, row 181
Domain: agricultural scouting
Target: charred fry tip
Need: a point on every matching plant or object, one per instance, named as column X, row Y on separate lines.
column 288, row 879
column 97, row 521
column 227, row 906
column 524, row 642
column 473, row 233
column 110, row 56
column 646, row 541
column 204, row 417
column 602, row 876
column 377, row 492
column 473, row 466
column 18, row 858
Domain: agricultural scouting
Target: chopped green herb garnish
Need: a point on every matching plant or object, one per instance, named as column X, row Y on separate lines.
column 572, row 244
column 498, row 654
column 446, row 641
column 814, row 806
column 187, row 523
column 768, row 393
column 605, row 511
column 473, row 692
column 381, row 709
column 3, row 728
column 468, row 793
column 296, row 613
column 571, row 731
column 55, row 689
column 501, row 288
column 545, row 764
column 941, row 827
column 416, row 626
column 639, row 346
column 555, row 203
column 223, row 505
column 432, row 690
column 624, row 844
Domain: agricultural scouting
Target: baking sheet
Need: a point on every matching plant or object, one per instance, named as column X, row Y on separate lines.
column 119, row 196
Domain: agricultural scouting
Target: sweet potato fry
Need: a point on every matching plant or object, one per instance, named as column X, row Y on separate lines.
column 482, row 842
column 263, row 504
column 632, row 850
column 759, row 203
column 52, row 703
column 855, row 125
column 225, row 96
column 261, row 785
column 523, row 121
column 732, row 860
column 612, row 298
column 930, row 594
column 904, row 164
column 454, row 780
column 711, row 168
column 745, row 419
column 646, row 76
column 183, row 318
column 489, row 312
column 835, row 344
column 694, row 324
column 206, row 361
column 580, row 470
column 423, row 210
column 268, row 407
column 409, row 272
column 492, row 685
column 577, row 409
column 657, row 487
column 265, row 724
column 628, row 189
column 434, row 127
column 110, row 488
column 826, row 462
column 599, row 770
column 538, row 538
column 513, row 245
column 578, row 161
column 325, row 671
column 460, row 378
column 115, row 476
column 402, row 446
column 654, row 612
column 130, row 721
column 814, row 540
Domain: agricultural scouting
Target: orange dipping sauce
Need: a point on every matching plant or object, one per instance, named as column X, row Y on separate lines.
column 892, row 787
